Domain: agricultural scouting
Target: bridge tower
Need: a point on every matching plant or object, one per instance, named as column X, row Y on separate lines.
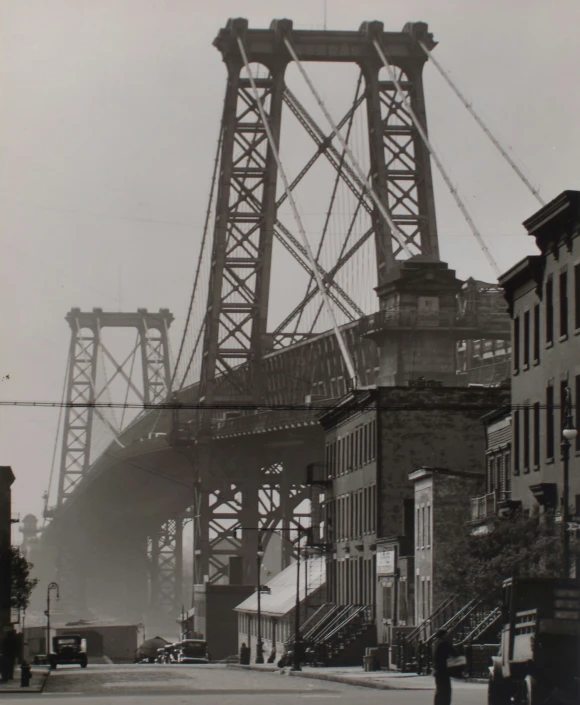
column 246, row 225
column 86, row 387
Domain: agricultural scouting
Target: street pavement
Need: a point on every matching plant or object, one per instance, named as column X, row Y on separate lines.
column 215, row 683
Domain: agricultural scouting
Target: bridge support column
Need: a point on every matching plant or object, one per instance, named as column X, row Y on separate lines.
column 166, row 567
column 250, row 518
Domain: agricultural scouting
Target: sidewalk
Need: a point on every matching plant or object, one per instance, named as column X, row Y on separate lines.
column 39, row 676
column 354, row 675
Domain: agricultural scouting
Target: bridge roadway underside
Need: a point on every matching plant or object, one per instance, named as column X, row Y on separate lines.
column 105, row 529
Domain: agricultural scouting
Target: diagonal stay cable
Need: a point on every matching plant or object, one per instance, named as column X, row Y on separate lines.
column 535, row 191
column 343, row 349
column 452, row 189
column 337, row 179
column 397, row 234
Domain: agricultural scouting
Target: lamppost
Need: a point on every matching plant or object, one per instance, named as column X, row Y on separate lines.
column 297, row 651
column 51, row 586
column 259, row 644
column 569, row 434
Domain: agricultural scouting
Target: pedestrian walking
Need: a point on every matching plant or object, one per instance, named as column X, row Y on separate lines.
column 443, row 649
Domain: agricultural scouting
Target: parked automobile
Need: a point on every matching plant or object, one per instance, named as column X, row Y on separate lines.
column 68, row 649
column 192, row 651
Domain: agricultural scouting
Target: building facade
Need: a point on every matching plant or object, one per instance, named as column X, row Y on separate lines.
column 374, row 439
column 441, row 506
column 543, row 293
column 277, row 608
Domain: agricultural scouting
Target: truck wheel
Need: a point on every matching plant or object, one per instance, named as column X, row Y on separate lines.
column 497, row 692
column 523, row 694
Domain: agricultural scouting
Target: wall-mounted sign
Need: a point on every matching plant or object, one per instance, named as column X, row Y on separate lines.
column 386, row 561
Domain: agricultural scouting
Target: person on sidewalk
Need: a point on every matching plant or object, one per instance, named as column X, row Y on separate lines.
column 443, row 649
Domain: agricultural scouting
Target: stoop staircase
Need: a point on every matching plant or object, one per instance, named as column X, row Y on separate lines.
column 336, row 635
column 471, row 626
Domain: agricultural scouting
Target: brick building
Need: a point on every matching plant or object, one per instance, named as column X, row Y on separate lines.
column 441, row 506
column 374, row 439
column 543, row 293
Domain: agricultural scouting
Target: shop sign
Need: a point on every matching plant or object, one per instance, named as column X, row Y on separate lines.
column 386, row 561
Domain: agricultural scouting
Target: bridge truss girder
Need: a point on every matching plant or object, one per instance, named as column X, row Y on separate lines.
column 86, row 351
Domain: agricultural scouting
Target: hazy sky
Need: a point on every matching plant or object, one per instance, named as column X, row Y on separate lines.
column 108, row 125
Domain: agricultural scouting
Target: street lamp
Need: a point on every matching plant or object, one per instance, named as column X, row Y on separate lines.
column 259, row 644
column 297, row 651
column 569, row 433
column 51, row 586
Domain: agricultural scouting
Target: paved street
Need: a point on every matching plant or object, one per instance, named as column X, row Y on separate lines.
column 173, row 685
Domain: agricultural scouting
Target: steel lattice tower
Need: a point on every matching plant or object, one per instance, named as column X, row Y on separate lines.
column 86, row 348
column 236, row 337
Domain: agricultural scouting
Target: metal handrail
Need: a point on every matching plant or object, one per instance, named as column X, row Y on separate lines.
column 339, row 618
column 415, row 634
column 490, row 619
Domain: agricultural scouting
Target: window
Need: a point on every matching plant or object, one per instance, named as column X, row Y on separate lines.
column 516, row 336
column 489, row 479
column 537, row 333
column 508, row 479
column 549, row 310
column 550, row 422
column 527, row 438
column 537, row 435
column 563, row 303
column 388, row 600
column 516, row 441
column 428, row 522
column 577, row 296
column 365, row 443
column 563, row 387
column 418, row 528
column 526, row 338
column 576, row 398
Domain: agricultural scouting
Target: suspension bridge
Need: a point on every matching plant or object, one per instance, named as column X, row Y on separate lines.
column 314, row 210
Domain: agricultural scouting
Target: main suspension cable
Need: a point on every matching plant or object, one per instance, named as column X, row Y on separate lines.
column 453, row 190
column 324, row 294
column 397, row 234
column 199, row 262
column 535, row 191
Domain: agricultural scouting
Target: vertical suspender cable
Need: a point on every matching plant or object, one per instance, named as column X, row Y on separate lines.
column 421, row 131
column 535, row 192
column 313, row 263
column 397, row 234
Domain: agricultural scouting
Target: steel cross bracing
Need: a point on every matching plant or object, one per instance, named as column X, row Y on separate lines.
column 87, row 353
column 246, row 222
column 165, row 555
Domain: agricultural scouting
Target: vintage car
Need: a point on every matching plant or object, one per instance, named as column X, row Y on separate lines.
column 192, row 651
column 68, row 649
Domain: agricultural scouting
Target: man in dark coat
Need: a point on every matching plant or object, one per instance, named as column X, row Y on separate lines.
column 442, row 650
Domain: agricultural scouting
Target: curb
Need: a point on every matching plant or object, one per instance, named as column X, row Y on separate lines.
column 34, row 689
column 346, row 680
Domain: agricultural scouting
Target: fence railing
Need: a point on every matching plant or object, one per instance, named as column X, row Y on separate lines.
column 499, row 323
